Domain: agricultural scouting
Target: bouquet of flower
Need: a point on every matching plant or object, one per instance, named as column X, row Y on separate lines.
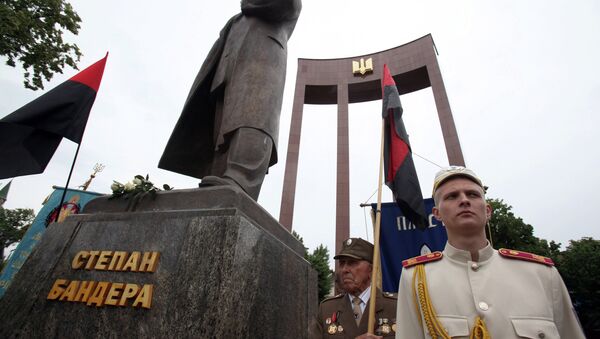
column 139, row 185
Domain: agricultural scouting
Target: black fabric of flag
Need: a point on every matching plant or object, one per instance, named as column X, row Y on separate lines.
column 30, row 135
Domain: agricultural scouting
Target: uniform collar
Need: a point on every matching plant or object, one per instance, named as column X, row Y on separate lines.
column 465, row 256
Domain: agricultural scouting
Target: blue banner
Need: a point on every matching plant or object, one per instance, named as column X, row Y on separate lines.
column 73, row 204
column 400, row 240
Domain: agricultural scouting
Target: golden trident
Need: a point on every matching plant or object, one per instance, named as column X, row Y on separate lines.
column 97, row 168
column 362, row 66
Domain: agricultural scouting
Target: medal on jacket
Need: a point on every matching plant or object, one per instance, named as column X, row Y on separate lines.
column 332, row 328
column 385, row 327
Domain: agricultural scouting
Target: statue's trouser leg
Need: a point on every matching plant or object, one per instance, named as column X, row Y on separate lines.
column 248, row 158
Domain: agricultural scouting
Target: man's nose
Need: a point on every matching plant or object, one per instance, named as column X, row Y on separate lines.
column 344, row 267
column 464, row 199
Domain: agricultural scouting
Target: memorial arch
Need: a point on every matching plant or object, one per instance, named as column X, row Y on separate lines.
column 356, row 79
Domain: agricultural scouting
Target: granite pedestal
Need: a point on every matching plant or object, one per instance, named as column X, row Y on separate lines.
column 226, row 269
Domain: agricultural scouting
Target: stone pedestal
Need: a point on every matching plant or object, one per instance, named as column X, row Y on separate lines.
column 226, row 269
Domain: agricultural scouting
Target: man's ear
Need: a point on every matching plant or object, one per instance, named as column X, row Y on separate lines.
column 488, row 211
column 436, row 213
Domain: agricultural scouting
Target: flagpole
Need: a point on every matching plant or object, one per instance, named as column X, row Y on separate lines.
column 62, row 199
column 376, row 260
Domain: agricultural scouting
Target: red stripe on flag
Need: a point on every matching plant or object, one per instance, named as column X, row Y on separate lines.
column 388, row 80
column 92, row 75
column 398, row 150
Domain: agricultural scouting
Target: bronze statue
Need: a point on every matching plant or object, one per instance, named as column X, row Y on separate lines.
column 228, row 129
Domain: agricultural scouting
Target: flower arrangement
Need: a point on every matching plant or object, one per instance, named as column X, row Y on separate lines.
column 139, row 185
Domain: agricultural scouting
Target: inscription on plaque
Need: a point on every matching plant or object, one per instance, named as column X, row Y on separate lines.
column 106, row 293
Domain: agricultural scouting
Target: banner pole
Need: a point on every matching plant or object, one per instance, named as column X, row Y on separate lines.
column 62, row 199
column 376, row 231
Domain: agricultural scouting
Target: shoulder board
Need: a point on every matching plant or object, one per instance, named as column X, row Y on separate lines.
column 333, row 297
column 390, row 295
column 512, row 254
column 422, row 259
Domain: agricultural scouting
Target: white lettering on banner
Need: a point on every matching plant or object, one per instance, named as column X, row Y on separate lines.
column 431, row 224
column 404, row 225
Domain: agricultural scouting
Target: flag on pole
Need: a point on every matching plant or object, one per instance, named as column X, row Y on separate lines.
column 30, row 135
column 399, row 168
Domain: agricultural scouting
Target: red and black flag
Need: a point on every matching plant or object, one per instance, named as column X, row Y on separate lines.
column 400, row 174
column 30, row 135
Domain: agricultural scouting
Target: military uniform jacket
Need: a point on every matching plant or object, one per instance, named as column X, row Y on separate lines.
column 515, row 298
column 244, row 73
column 338, row 311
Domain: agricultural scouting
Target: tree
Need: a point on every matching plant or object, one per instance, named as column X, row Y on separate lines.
column 510, row 231
column 580, row 268
column 32, row 33
column 319, row 261
column 13, row 225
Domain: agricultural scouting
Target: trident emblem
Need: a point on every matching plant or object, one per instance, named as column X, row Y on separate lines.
column 363, row 66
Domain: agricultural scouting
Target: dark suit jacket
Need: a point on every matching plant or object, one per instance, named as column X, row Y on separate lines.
column 244, row 74
column 340, row 305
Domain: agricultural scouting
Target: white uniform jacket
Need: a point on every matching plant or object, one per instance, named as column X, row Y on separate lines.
column 515, row 298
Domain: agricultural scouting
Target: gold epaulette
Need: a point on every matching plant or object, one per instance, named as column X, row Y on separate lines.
column 422, row 259
column 512, row 254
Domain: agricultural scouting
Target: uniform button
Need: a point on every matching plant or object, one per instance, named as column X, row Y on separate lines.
column 483, row 306
column 474, row 266
column 541, row 335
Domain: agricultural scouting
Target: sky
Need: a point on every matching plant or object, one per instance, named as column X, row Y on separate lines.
column 522, row 79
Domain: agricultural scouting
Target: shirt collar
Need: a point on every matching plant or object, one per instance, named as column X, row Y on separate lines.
column 364, row 296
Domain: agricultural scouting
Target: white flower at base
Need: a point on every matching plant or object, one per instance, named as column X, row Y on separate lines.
column 139, row 185
column 116, row 187
column 129, row 186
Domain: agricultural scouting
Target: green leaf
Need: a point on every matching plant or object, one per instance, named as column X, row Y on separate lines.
column 32, row 34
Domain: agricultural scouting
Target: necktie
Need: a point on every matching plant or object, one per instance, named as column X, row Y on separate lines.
column 356, row 308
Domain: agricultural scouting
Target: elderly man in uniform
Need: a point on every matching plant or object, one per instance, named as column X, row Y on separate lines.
column 228, row 129
column 346, row 314
column 472, row 290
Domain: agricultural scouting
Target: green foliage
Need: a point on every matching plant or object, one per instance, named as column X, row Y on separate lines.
column 319, row 261
column 580, row 269
column 510, row 231
column 31, row 33
column 13, row 225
